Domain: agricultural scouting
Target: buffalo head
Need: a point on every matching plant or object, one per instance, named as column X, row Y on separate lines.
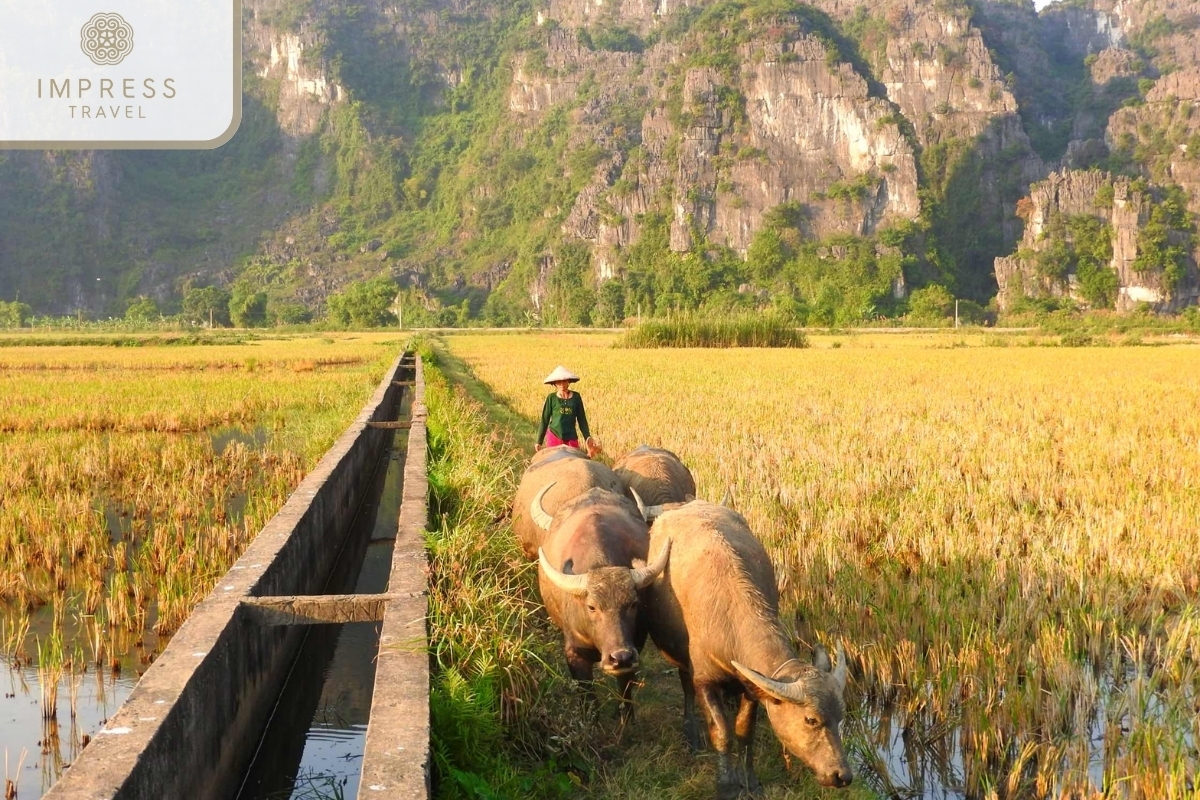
column 806, row 712
column 609, row 596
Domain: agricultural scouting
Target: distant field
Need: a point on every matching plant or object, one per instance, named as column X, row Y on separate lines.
column 1005, row 538
column 131, row 478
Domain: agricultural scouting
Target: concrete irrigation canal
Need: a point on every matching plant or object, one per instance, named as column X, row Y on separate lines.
column 331, row 590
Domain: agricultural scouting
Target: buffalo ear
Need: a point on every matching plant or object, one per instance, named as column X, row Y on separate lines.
column 839, row 672
column 821, row 659
column 638, row 563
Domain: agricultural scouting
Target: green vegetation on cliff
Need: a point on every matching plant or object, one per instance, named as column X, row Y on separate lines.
column 423, row 181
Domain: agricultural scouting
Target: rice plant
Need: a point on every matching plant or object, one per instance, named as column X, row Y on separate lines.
column 1002, row 538
column 131, row 478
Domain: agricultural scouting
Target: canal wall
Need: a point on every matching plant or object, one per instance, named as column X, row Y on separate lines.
column 190, row 727
column 396, row 760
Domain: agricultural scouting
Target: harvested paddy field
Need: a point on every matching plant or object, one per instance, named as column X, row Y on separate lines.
column 1003, row 538
column 131, row 478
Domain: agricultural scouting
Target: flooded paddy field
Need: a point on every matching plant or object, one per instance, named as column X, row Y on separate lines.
column 130, row 480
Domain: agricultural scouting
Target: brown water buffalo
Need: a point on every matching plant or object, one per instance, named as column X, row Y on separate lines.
column 592, row 568
column 572, row 474
column 714, row 614
column 658, row 476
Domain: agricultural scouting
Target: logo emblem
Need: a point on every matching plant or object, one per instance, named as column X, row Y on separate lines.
column 107, row 39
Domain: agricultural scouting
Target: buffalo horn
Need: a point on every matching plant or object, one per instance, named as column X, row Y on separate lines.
column 727, row 500
column 648, row 512
column 644, row 576
column 537, row 513
column 792, row 692
column 571, row 584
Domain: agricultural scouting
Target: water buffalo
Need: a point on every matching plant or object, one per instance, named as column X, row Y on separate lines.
column 592, row 568
column 714, row 614
column 571, row 474
column 658, row 475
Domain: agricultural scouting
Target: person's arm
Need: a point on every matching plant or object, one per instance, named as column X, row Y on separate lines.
column 582, row 417
column 546, row 409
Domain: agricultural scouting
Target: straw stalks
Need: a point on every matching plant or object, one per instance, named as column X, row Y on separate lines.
column 12, row 780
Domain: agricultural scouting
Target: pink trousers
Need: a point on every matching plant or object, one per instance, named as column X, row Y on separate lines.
column 554, row 441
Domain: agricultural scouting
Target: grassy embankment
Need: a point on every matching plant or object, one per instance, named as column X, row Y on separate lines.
column 507, row 722
column 1003, row 538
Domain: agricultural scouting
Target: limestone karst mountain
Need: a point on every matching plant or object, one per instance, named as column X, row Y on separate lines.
column 573, row 159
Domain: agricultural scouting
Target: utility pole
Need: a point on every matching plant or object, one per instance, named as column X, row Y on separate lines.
column 210, row 318
column 956, row 313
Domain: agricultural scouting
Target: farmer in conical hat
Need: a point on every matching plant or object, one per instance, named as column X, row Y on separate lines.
column 562, row 413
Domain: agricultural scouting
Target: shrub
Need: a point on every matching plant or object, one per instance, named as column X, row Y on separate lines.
column 247, row 307
column 751, row 330
column 366, row 304
column 1166, row 239
column 143, row 309
column 931, row 303
column 202, row 305
column 617, row 39
column 1076, row 340
column 285, row 313
column 14, row 314
column 971, row 313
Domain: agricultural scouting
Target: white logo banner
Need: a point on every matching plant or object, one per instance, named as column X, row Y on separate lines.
column 103, row 74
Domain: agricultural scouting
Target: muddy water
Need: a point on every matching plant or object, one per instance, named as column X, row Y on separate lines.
column 49, row 746
column 918, row 761
column 107, row 664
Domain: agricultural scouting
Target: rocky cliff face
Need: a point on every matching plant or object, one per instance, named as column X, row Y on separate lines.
column 1123, row 211
column 289, row 60
column 1163, row 133
column 787, row 123
column 787, row 129
column 1134, row 113
column 936, row 67
column 459, row 146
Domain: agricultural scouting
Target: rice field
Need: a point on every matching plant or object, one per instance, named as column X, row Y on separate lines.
column 131, row 478
column 1005, row 539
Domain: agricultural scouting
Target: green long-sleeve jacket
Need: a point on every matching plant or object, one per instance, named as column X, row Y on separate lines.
column 561, row 416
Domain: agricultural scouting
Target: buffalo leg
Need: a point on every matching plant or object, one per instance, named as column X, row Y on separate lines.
column 691, row 727
column 747, row 719
column 626, row 682
column 581, row 671
column 729, row 785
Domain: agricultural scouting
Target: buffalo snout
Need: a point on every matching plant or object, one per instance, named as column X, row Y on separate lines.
column 618, row 661
column 838, row 778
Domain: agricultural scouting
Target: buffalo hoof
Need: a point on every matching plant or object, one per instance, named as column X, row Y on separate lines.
column 752, row 788
column 691, row 735
column 729, row 787
column 729, row 792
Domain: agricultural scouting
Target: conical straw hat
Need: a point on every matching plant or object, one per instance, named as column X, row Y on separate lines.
column 561, row 373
